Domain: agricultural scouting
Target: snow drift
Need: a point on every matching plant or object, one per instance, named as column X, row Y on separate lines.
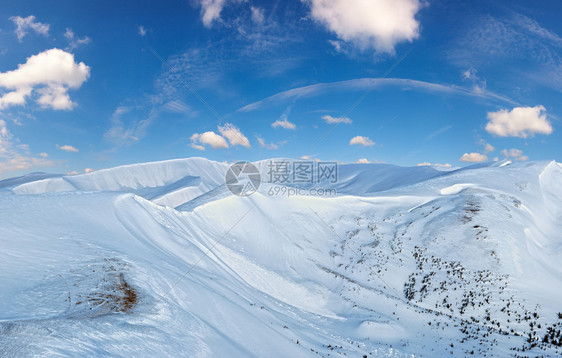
column 159, row 258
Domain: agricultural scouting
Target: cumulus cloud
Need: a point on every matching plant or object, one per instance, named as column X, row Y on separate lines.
column 360, row 140
column 515, row 154
column 519, row 122
column 376, row 24
column 216, row 141
column 234, row 136
column 335, row 120
column 89, row 170
column 363, row 161
column 52, row 72
column 23, row 24
column 474, row 157
column 74, row 41
column 68, row 148
column 211, row 138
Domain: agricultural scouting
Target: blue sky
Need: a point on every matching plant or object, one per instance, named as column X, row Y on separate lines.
column 94, row 85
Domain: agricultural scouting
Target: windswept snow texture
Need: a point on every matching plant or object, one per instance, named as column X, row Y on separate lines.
column 159, row 259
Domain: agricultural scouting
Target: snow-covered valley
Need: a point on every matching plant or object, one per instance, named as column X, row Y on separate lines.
column 161, row 259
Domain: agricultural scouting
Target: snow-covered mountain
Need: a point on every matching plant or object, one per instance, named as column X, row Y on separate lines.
column 161, row 259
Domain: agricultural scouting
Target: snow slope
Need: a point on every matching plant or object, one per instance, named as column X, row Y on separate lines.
column 402, row 262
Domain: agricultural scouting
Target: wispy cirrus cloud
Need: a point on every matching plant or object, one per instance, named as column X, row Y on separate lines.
column 24, row 24
column 509, row 41
column 336, row 120
column 15, row 156
column 74, row 41
column 362, row 84
column 266, row 145
column 438, row 132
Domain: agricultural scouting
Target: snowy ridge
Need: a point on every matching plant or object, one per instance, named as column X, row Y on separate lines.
column 171, row 182
column 434, row 264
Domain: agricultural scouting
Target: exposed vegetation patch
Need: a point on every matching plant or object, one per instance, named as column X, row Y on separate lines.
column 103, row 289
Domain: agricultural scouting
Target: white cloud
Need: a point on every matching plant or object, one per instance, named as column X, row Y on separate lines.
column 257, row 15
column 427, row 164
column 360, row 140
column 211, row 11
column 335, row 120
column 307, row 157
column 23, row 24
column 142, row 30
column 478, row 85
column 210, row 138
column 488, row 148
column 44, row 155
column 469, row 74
column 197, row 146
column 68, row 148
column 363, row 161
column 216, row 141
column 74, row 41
column 234, row 136
column 89, row 170
column 54, row 71
column 18, row 157
column 474, row 157
column 74, row 172
column 264, row 144
column 516, row 154
column 284, row 123
column 377, row 24
column 519, row 122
